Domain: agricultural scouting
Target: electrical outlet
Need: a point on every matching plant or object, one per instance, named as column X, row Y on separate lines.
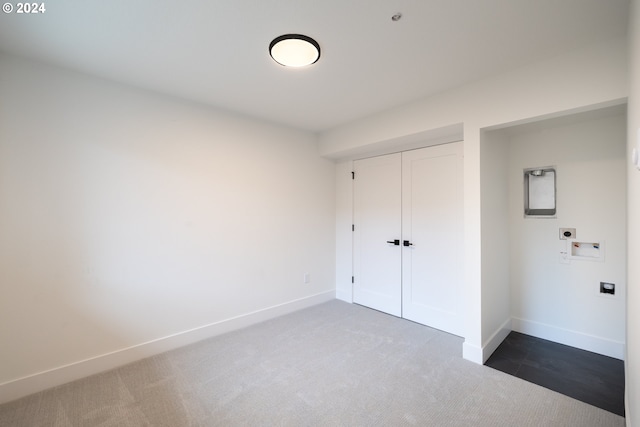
column 307, row 278
column 607, row 288
column 567, row 233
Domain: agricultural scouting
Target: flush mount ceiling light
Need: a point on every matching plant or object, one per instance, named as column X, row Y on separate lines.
column 294, row 50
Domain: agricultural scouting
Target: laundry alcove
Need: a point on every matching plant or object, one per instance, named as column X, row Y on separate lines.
column 529, row 284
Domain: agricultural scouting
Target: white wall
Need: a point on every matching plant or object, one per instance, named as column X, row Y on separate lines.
column 585, row 79
column 562, row 301
column 632, row 367
column 496, row 290
column 128, row 217
column 573, row 81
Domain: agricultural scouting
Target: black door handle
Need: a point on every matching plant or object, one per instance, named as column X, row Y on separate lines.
column 395, row 242
column 407, row 243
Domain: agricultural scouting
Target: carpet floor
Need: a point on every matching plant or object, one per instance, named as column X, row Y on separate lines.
column 334, row 364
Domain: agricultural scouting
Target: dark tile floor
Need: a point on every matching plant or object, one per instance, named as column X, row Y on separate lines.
column 589, row 377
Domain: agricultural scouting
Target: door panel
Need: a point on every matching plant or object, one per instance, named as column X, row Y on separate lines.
column 432, row 221
column 377, row 218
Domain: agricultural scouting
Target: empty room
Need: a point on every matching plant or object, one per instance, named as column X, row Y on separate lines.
column 320, row 213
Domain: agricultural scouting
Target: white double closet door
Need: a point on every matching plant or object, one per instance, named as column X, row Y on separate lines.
column 408, row 231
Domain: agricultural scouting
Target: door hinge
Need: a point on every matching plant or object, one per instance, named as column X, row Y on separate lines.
column 353, row 227
column 353, row 175
column 352, row 279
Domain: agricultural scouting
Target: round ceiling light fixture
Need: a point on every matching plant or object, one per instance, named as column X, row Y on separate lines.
column 294, row 50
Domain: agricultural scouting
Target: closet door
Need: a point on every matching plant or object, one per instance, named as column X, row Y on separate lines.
column 432, row 226
column 377, row 221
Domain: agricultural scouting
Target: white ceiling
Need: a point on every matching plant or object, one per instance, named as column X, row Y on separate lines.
column 215, row 51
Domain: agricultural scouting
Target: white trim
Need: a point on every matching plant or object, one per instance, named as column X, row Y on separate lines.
column 21, row 387
column 495, row 340
column 568, row 337
column 627, row 406
column 472, row 353
column 426, row 138
column 345, row 296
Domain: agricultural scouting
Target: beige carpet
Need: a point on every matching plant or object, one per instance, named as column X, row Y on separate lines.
column 335, row 364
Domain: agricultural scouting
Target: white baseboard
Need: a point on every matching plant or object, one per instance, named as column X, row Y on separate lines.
column 472, row 353
column 494, row 341
column 573, row 338
column 480, row 355
column 344, row 295
column 21, row 387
